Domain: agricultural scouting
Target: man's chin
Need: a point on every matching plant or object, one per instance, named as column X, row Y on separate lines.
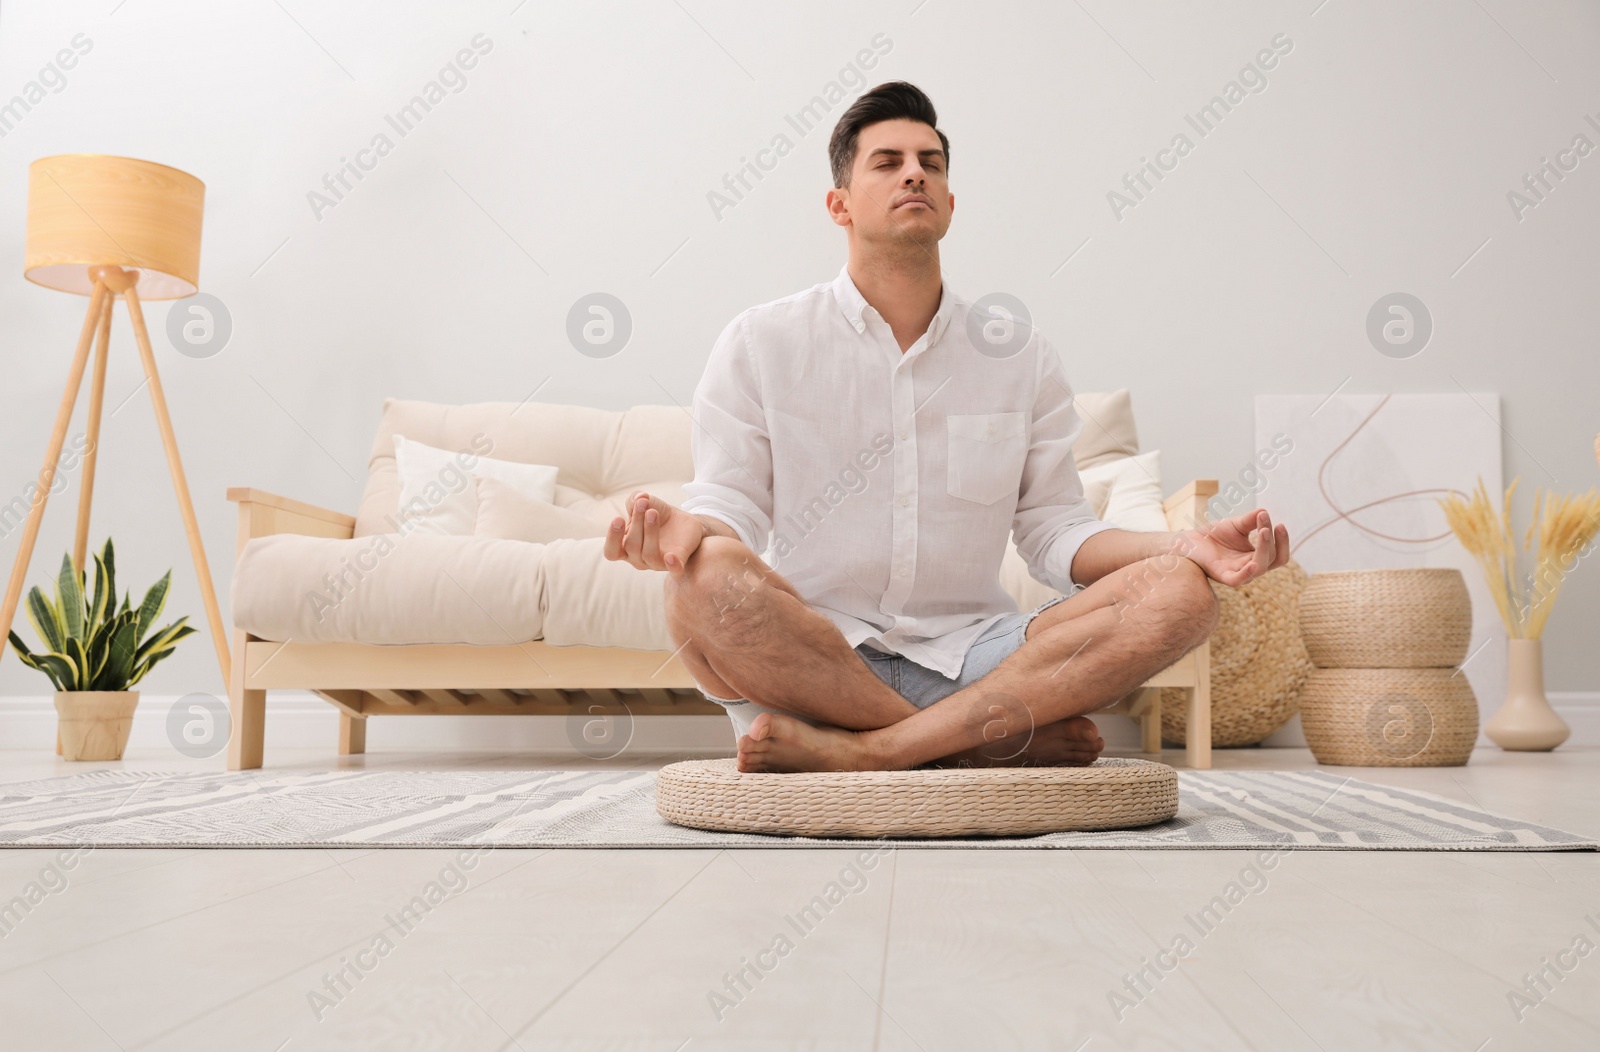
column 924, row 238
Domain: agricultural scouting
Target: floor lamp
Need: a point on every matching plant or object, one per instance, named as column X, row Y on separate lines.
column 103, row 227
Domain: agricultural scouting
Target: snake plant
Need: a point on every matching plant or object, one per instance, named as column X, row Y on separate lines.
column 92, row 644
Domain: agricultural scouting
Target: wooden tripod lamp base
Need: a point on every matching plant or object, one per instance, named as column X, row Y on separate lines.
column 106, row 227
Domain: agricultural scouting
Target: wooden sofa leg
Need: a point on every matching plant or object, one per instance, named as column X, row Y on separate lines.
column 352, row 734
column 247, row 711
column 1150, row 723
column 1198, row 749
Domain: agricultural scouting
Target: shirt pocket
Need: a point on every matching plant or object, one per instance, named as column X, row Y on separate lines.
column 986, row 454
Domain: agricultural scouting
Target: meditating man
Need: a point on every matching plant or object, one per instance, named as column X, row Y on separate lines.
column 884, row 437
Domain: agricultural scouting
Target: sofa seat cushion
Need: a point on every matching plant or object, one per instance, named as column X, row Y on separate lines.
column 430, row 588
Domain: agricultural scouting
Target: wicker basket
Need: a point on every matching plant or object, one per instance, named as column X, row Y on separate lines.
column 1389, row 717
column 1258, row 663
column 1417, row 618
column 1111, row 793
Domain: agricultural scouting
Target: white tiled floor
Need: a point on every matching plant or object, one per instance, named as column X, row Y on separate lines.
column 931, row 950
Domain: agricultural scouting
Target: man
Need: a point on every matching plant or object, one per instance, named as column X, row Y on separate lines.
column 887, row 437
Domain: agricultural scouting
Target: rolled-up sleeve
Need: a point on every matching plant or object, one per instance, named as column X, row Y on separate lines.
column 729, row 441
column 1053, row 516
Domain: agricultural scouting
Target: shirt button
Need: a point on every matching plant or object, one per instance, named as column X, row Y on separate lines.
column 902, row 573
column 991, row 429
column 904, row 501
column 902, row 435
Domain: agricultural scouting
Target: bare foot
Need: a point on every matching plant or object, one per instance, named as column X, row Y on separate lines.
column 1072, row 742
column 783, row 743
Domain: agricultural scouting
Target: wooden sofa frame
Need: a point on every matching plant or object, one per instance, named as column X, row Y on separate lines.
column 534, row 678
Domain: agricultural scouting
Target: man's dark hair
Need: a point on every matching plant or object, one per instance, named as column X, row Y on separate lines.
column 894, row 100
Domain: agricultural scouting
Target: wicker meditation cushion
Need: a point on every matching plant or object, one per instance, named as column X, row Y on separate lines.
column 1111, row 793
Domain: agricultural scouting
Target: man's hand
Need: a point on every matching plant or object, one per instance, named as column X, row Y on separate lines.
column 1237, row 550
column 655, row 536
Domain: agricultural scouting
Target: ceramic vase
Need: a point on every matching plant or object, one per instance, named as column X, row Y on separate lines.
column 1526, row 722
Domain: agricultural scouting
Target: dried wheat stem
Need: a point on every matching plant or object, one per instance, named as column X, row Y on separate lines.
column 1564, row 524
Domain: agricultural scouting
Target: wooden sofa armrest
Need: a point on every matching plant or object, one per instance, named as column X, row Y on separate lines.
column 262, row 514
column 1187, row 507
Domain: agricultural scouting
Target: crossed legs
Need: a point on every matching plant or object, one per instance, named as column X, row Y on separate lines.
column 746, row 633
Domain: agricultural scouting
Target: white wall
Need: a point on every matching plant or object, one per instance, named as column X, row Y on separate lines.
column 580, row 154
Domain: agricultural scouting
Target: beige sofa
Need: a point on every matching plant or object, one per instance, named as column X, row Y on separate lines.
column 380, row 622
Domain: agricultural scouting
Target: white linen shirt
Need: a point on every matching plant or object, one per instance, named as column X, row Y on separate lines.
column 883, row 485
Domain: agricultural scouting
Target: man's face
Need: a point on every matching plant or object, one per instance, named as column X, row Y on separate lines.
column 899, row 190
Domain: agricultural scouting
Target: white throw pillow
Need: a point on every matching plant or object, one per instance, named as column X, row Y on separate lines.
column 1135, row 500
column 537, row 481
column 1098, row 493
column 437, row 491
column 506, row 512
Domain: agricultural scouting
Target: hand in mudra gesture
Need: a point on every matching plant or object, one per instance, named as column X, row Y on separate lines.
column 654, row 536
column 1237, row 550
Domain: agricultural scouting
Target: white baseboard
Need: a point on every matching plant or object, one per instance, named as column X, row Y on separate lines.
column 301, row 719
column 1580, row 708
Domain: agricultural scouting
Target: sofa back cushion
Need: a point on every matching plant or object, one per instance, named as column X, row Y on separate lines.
column 1108, row 431
column 602, row 455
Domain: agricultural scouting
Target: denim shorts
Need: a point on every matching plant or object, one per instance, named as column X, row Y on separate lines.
column 916, row 683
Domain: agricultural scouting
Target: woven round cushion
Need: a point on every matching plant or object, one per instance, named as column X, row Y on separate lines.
column 1258, row 663
column 1389, row 717
column 1415, row 618
column 1111, row 793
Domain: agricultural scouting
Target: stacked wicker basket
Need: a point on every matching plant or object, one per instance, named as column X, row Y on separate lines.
column 1387, row 690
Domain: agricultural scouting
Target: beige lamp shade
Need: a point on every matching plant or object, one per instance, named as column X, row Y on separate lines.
column 87, row 210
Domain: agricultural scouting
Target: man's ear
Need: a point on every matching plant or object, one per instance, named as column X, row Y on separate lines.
column 837, row 203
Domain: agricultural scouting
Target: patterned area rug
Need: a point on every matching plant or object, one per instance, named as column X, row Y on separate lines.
column 616, row 809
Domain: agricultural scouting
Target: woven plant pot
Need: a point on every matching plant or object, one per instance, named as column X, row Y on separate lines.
column 1258, row 663
column 1415, row 618
column 1389, row 717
